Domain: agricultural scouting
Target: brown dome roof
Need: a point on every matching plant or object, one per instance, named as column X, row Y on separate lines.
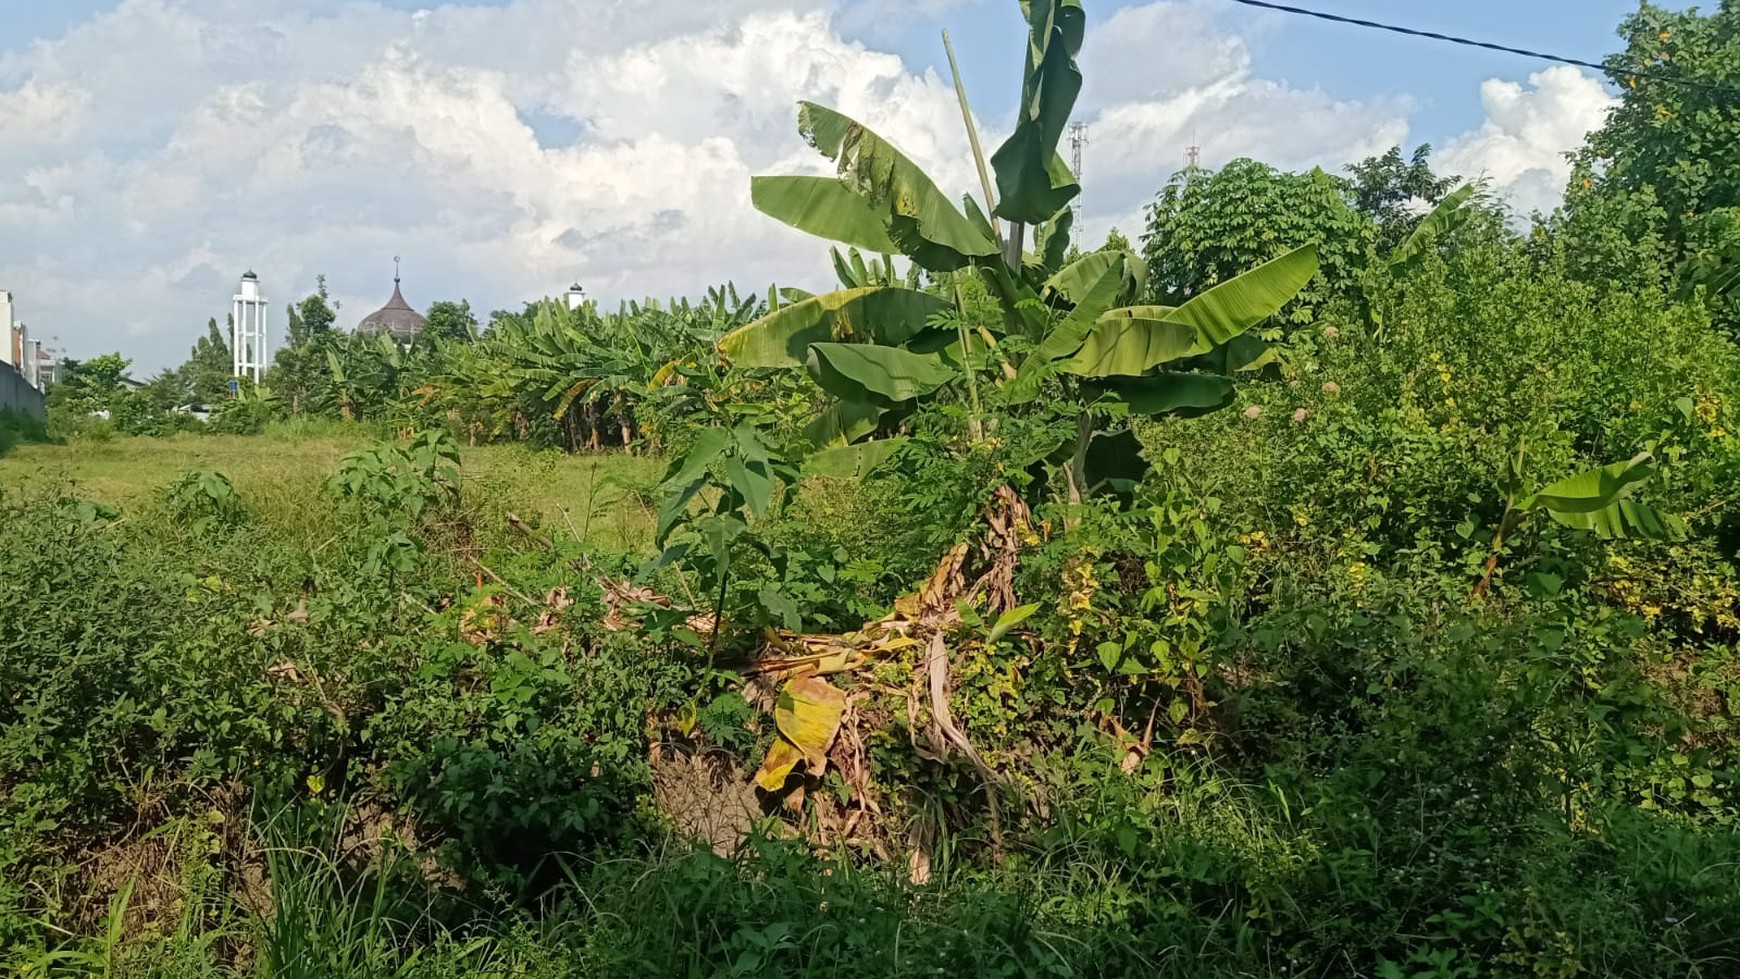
column 396, row 317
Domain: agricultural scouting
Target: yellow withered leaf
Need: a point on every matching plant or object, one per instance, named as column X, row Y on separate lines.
column 781, row 759
column 808, row 715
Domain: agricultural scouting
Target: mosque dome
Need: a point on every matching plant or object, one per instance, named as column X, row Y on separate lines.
column 396, row 317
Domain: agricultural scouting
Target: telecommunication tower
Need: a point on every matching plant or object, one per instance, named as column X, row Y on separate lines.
column 1078, row 140
column 248, row 329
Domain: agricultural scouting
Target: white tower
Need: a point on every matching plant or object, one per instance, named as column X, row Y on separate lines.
column 576, row 297
column 248, row 329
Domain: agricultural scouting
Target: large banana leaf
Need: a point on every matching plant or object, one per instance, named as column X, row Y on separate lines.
column 1033, row 181
column 1072, row 282
column 1114, row 462
column 1132, row 341
column 1450, row 213
column 1625, row 519
column 1239, row 355
column 918, row 217
column 1595, row 501
column 1054, row 235
column 782, row 338
column 1242, row 302
column 1066, row 338
column 871, row 372
column 1169, row 393
column 842, row 422
column 1595, row 489
column 852, row 461
column 1072, row 332
column 825, row 207
column 807, row 714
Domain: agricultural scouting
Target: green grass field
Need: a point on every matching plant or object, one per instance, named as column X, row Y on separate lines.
column 601, row 498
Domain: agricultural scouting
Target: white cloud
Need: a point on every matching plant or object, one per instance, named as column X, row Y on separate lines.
column 1204, row 91
column 1522, row 146
column 42, row 114
column 507, row 149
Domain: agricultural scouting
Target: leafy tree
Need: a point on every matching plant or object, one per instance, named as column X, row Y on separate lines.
column 452, row 321
column 1207, row 226
column 1667, row 162
column 90, row 385
column 1116, row 242
column 205, row 378
column 300, row 368
column 1389, row 190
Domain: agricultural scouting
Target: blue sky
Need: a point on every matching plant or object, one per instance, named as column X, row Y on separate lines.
column 508, row 147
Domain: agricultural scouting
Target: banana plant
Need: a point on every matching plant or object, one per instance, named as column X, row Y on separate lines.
column 878, row 347
column 1595, row 500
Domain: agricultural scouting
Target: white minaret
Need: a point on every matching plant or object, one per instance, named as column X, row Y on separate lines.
column 248, row 329
column 576, row 297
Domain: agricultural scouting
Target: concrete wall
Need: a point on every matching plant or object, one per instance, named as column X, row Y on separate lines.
column 17, row 395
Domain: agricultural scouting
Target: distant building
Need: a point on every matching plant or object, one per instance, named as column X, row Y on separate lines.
column 17, row 350
column 396, row 318
column 11, row 333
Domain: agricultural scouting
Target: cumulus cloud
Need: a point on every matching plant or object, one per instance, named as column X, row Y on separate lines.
column 1521, row 148
column 1147, row 111
column 506, row 149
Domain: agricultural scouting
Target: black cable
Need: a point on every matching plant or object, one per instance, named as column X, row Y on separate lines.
column 1724, row 90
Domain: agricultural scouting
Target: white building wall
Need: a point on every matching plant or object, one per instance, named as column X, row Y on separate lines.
column 9, row 353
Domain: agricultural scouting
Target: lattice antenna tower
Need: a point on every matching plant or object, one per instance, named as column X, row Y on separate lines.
column 1078, row 140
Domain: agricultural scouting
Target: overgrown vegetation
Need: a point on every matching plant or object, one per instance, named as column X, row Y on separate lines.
column 1345, row 585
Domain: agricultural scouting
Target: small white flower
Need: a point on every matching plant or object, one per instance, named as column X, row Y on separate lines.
column 1303, row 414
column 1254, row 412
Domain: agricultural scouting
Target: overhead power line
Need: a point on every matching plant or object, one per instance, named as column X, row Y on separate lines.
column 1723, row 90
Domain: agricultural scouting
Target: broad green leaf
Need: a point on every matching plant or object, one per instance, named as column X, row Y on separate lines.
column 1073, row 281
column 852, row 461
column 1242, row 302
column 849, row 278
column 782, row 338
column 1009, row 620
column 720, row 530
column 1066, row 338
column 1187, row 395
column 1114, row 462
column 1241, row 354
column 1450, row 213
column 852, row 370
column 919, row 219
column 1033, row 181
column 1056, row 238
column 752, row 481
column 685, row 477
column 976, row 215
column 1625, row 519
column 824, row 207
column 842, row 422
column 1132, row 341
column 1595, row 489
